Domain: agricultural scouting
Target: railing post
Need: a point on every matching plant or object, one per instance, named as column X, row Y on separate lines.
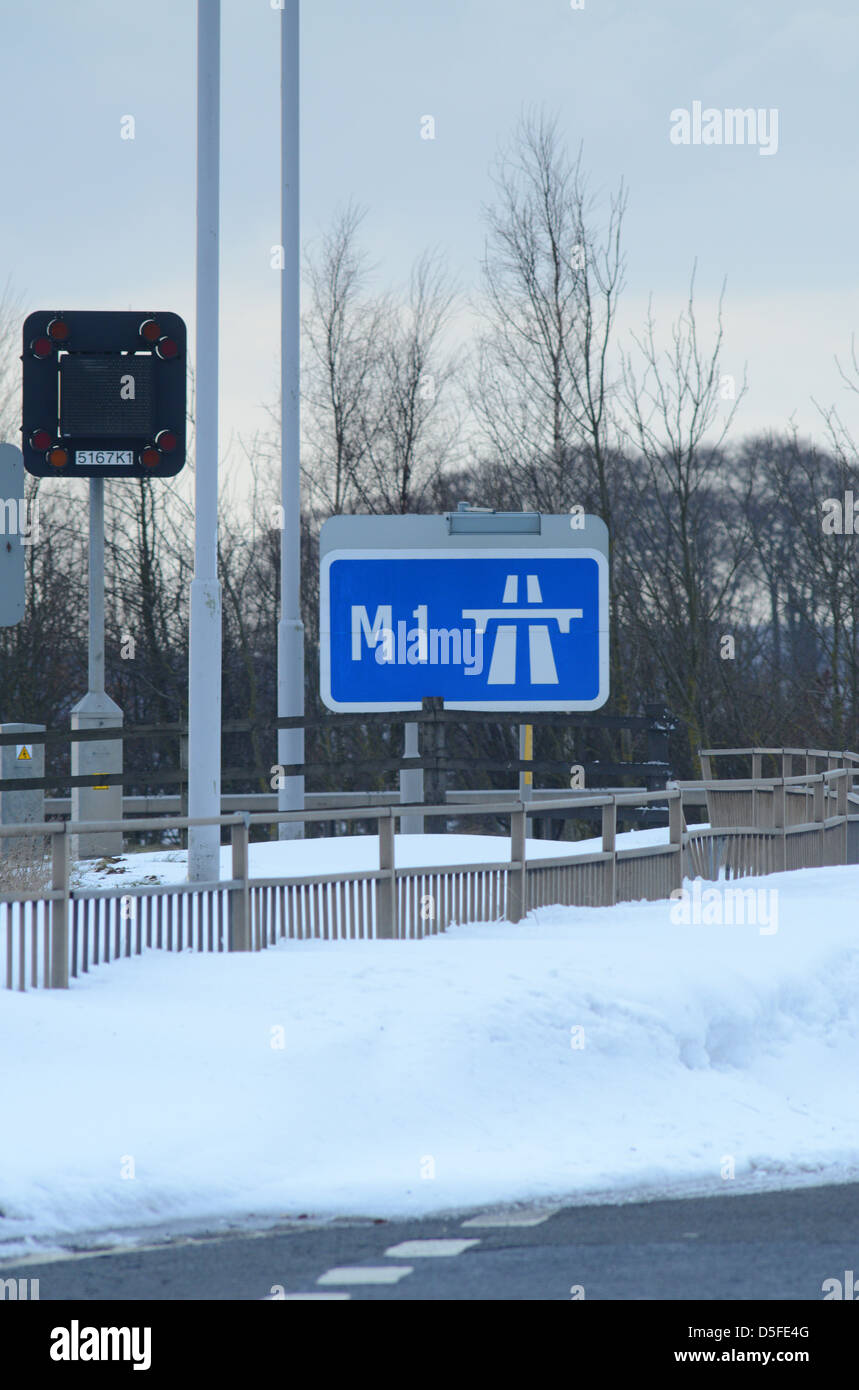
column 757, row 774
column 183, row 785
column 59, row 967
column 386, row 888
column 609, row 846
column 841, row 810
column 780, row 847
column 517, row 883
column 675, row 836
column 239, row 939
column 818, row 811
column 809, row 790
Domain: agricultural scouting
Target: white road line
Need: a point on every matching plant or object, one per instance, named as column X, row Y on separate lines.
column 312, row 1297
column 509, row 1218
column 365, row 1274
column 414, row 1249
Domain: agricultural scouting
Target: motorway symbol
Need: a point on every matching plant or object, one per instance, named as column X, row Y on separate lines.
column 502, row 665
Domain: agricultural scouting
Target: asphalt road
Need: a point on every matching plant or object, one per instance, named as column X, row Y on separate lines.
column 774, row 1246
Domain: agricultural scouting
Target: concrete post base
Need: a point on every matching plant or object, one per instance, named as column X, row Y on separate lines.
column 96, row 803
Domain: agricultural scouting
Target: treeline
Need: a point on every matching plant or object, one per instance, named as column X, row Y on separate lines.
column 733, row 577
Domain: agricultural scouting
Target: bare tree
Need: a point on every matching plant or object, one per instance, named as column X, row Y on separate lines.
column 551, row 282
column 11, row 316
column 341, row 332
column 688, row 545
column 812, row 572
column 410, row 434
column 543, row 390
column 378, row 427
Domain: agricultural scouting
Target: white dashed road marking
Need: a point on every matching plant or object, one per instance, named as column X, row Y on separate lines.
column 415, row 1249
column 509, row 1218
column 365, row 1274
column 315, row 1297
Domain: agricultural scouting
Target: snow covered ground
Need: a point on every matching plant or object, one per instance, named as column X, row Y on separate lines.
column 598, row 1052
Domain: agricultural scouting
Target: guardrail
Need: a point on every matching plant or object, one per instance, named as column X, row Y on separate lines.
column 839, row 758
column 55, row 933
column 767, row 825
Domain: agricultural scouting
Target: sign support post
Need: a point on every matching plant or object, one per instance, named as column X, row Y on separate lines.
column 204, row 675
column 290, row 631
column 96, row 710
column 411, row 782
column 526, row 754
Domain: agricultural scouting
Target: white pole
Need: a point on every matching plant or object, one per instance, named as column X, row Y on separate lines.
column 204, row 677
column 290, row 632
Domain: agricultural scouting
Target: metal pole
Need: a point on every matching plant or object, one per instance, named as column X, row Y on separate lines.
column 526, row 779
column 96, row 586
column 290, row 631
column 99, row 801
column 204, row 676
column 411, row 782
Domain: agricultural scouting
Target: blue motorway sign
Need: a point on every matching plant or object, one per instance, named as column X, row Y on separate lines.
column 495, row 627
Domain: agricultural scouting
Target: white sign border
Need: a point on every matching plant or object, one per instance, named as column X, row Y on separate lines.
column 501, row 553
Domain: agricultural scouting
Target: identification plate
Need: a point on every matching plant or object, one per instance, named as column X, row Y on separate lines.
column 104, row 458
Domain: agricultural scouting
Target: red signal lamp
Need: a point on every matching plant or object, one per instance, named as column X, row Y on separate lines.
column 166, row 441
column 167, row 348
column 150, row 331
column 41, row 440
column 150, row 457
column 59, row 330
column 41, row 347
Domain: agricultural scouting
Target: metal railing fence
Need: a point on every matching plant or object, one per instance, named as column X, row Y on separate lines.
column 56, row 933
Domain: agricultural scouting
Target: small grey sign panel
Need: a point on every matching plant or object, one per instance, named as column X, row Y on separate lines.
column 455, row 530
column 15, row 529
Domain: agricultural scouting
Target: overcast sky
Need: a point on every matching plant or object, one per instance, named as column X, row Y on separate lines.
column 91, row 220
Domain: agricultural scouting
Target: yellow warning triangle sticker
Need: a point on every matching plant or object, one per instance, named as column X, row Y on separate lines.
column 24, row 754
